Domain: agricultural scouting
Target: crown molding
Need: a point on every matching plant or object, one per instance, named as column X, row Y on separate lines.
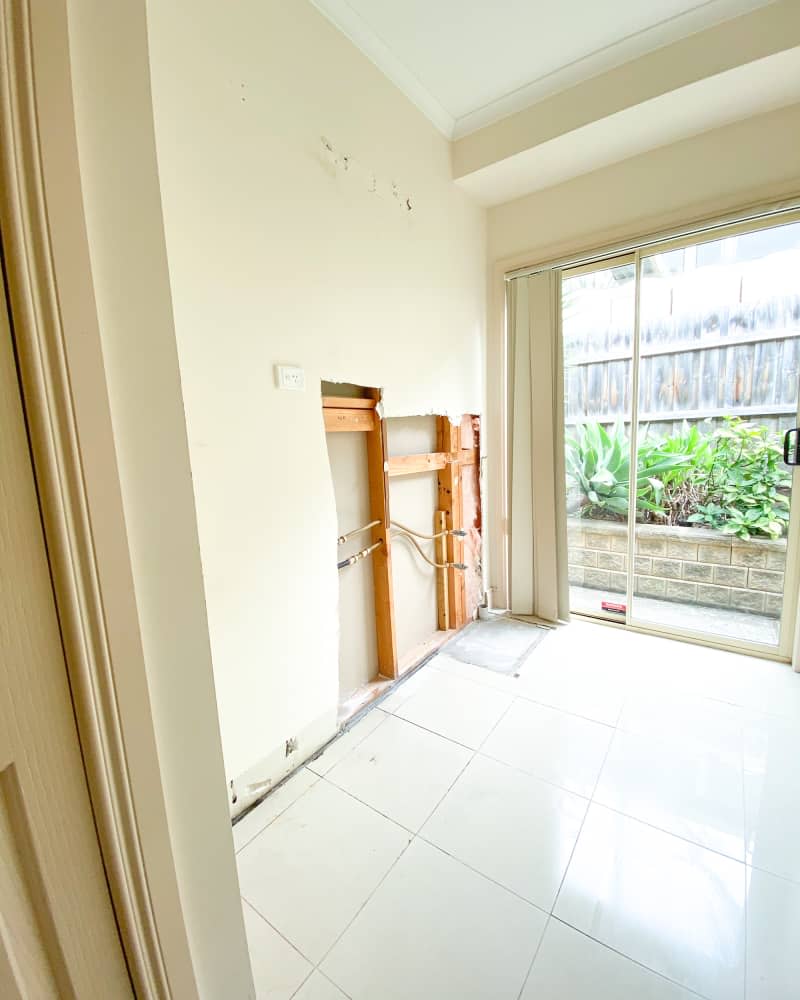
column 354, row 27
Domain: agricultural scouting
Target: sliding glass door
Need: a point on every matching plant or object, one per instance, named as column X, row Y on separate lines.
column 598, row 319
column 681, row 375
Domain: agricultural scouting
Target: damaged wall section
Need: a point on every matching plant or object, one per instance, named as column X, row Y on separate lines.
column 277, row 256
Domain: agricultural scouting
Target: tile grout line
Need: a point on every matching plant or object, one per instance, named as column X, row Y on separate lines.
column 744, row 845
column 566, row 711
column 347, row 732
column 336, row 986
column 305, row 765
column 413, row 837
column 361, row 908
column 551, row 916
column 433, row 732
column 280, row 934
column 367, row 805
column 532, row 776
column 474, row 752
column 633, row 961
column 670, row 833
column 477, row 871
column 631, row 691
column 277, row 815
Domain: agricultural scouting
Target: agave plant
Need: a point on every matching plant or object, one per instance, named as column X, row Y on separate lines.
column 598, row 465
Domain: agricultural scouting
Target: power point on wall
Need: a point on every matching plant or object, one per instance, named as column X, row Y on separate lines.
column 290, row 377
column 291, row 745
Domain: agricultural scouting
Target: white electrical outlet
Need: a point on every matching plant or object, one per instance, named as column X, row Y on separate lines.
column 290, row 377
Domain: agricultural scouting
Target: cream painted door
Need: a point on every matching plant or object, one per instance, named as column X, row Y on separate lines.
column 58, row 935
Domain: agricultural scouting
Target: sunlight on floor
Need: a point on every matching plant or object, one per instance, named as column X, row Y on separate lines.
column 619, row 821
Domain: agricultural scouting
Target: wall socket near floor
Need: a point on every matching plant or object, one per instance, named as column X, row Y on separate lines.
column 290, row 377
column 291, row 745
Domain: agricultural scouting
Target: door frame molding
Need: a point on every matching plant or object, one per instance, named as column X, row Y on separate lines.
column 36, row 305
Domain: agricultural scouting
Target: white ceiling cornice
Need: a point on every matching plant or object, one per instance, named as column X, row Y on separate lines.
column 380, row 51
column 353, row 26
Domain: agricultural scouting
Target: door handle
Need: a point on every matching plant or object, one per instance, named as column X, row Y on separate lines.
column 791, row 454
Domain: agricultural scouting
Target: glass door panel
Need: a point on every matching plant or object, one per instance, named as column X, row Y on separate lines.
column 719, row 370
column 598, row 310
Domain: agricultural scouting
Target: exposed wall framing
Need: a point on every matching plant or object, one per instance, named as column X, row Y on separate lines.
column 456, row 462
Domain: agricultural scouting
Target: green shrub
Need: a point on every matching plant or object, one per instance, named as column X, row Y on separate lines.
column 731, row 478
column 598, row 462
column 747, row 484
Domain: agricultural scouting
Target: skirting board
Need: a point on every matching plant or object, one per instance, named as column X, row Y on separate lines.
column 256, row 781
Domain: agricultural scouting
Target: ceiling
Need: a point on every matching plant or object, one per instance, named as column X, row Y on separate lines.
column 468, row 63
column 763, row 85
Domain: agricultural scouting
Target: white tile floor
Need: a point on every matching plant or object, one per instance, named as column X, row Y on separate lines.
column 619, row 822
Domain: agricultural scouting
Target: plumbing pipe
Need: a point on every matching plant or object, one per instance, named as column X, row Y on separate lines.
column 418, row 547
column 359, row 555
column 420, row 534
column 356, row 531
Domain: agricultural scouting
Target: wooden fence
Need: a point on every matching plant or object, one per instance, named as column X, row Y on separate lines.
column 689, row 372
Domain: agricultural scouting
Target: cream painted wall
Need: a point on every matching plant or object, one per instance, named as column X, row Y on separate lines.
column 138, row 369
column 718, row 172
column 276, row 256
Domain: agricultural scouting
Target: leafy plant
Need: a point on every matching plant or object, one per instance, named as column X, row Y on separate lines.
column 685, row 487
column 747, row 483
column 731, row 478
column 598, row 464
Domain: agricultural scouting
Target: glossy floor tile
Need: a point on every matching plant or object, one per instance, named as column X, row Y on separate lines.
column 401, row 770
column 669, row 905
column 259, row 818
column 436, row 929
column 647, row 822
column 349, row 739
column 509, row 826
column 278, row 968
column 773, row 932
column 318, row 987
column 564, row 749
column 455, row 708
column 772, row 796
column 577, row 690
column 511, row 684
column 312, row 868
column 572, row 966
column 705, row 724
column 693, row 794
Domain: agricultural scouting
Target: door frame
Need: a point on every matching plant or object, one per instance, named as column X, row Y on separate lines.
column 156, row 885
column 760, row 215
column 708, row 234
column 38, row 331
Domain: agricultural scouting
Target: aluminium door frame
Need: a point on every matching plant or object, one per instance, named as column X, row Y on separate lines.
column 605, row 264
column 782, row 651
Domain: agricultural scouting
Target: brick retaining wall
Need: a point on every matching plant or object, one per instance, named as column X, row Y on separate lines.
column 685, row 565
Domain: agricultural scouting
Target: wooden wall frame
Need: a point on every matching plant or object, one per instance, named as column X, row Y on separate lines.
column 456, row 449
column 342, row 415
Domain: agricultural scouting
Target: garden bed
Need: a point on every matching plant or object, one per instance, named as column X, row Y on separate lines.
column 684, row 565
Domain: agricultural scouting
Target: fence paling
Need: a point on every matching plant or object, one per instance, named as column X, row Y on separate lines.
column 755, row 377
